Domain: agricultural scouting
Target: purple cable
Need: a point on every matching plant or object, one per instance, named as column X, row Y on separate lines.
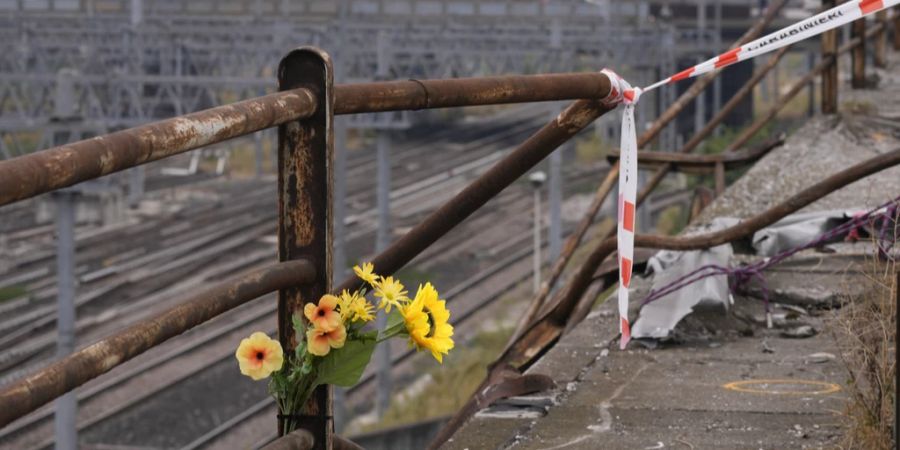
column 741, row 276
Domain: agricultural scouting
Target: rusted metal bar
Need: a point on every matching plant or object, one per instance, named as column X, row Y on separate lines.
column 65, row 375
column 305, row 160
column 795, row 89
column 720, row 178
column 695, row 141
column 896, row 28
column 295, row 440
column 567, row 124
column 880, row 52
column 422, row 94
column 545, row 331
column 829, row 42
column 58, row 167
column 607, row 185
column 569, row 298
column 689, row 163
column 858, row 76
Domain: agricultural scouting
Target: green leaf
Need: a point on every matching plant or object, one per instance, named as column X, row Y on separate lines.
column 394, row 319
column 299, row 325
column 344, row 366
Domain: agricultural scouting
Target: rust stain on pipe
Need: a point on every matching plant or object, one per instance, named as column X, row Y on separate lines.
column 76, row 369
column 423, row 94
column 58, row 167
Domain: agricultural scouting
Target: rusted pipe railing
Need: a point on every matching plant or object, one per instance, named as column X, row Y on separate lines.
column 829, row 43
column 58, row 167
column 858, row 57
column 795, row 89
column 295, row 440
column 76, row 369
column 580, row 282
column 545, row 331
column 538, row 301
column 427, row 94
column 568, row 123
column 701, row 164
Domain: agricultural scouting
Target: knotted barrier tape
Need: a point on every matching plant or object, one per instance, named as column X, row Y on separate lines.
column 621, row 92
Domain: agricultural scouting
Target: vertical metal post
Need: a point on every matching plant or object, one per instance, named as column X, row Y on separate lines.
column 720, row 178
column 717, row 83
column 383, row 237
column 382, row 241
column 537, row 180
column 340, row 197
column 897, row 28
column 136, row 177
column 66, row 406
column 830, row 74
column 881, row 40
column 555, row 197
column 700, row 111
column 537, row 240
column 858, row 78
column 137, row 12
column 811, row 89
column 305, row 162
column 258, row 153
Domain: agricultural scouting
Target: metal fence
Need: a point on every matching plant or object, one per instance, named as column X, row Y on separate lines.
column 304, row 111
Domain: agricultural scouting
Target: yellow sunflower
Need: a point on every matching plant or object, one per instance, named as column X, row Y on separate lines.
column 391, row 292
column 366, row 273
column 427, row 322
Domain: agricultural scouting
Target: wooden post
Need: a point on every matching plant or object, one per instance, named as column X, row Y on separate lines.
column 858, row 30
column 881, row 17
column 305, row 155
column 830, row 74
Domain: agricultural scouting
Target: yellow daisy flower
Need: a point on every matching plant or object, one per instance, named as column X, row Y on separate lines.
column 366, row 273
column 355, row 307
column 391, row 292
column 258, row 356
column 427, row 322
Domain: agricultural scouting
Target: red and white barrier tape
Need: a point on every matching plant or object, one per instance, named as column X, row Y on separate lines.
column 622, row 92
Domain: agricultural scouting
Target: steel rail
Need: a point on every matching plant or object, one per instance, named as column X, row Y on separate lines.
column 76, row 369
column 539, row 300
column 58, row 167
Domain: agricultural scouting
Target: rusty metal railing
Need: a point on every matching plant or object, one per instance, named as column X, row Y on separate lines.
column 304, row 111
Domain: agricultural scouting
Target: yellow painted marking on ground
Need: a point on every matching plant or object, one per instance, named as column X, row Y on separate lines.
column 821, row 387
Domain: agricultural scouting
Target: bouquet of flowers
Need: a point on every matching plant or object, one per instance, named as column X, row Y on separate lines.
column 335, row 339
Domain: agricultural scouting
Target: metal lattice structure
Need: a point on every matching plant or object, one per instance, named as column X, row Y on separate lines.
column 122, row 70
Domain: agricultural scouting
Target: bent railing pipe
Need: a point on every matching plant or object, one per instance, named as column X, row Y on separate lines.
column 76, row 369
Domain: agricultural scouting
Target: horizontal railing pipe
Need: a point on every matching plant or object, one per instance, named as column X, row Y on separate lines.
column 426, row 94
column 27, row 395
column 66, row 165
